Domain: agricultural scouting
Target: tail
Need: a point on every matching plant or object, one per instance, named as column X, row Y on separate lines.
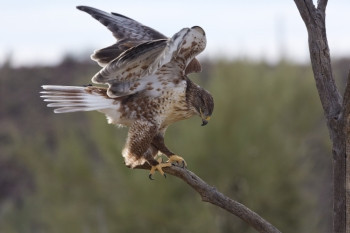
column 74, row 98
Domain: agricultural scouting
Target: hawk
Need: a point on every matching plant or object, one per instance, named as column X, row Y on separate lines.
column 148, row 87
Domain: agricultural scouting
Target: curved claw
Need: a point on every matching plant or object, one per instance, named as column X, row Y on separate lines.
column 158, row 167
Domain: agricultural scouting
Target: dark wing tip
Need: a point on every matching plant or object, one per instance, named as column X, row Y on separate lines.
column 88, row 9
column 82, row 8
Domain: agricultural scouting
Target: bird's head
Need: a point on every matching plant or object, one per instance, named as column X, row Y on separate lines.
column 205, row 106
column 202, row 102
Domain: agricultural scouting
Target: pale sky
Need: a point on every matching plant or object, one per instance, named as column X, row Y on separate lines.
column 41, row 32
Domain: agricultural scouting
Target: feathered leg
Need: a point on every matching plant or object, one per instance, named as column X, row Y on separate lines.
column 158, row 142
column 138, row 148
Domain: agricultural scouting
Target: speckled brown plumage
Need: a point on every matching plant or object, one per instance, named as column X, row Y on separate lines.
column 148, row 88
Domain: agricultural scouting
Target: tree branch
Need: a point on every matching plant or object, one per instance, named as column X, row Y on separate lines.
column 319, row 53
column 212, row 195
column 321, row 5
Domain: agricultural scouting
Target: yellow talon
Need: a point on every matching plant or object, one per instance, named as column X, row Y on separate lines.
column 158, row 167
column 177, row 159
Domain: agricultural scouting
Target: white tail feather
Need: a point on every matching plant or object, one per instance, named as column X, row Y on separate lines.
column 73, row 99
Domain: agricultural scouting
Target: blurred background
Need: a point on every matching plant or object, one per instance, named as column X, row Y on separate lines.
column 266, row 146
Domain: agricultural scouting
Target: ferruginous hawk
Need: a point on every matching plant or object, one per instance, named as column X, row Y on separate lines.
column 148, row 88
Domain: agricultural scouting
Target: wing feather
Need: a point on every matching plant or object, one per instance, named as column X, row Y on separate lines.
column 106, row 55
column 127, row 31
column 128, row 73
column 123, row 27
column 132, row 64
column 143, row 60
column 74, row 98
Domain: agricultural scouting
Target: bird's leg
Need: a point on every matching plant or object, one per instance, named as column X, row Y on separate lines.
column 157, row 166
column 158, row 142
column 139, row 147
column 155, row 161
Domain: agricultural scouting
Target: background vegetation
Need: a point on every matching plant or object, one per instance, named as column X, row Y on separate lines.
column 266, row 146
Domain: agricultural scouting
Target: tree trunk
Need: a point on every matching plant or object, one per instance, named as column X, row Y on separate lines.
column 347, row 134
column 331, row 100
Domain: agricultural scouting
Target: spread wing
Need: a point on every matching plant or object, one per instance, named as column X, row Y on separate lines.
column 133, row 70
column 129, row 33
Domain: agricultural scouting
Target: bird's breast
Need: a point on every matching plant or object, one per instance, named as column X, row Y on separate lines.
column 177, row 109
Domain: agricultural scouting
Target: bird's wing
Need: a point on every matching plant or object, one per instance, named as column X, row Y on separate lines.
column 134, row 69
column 123, row 27
column 194, row 43
column 128, row 33
column 129, row 73
column 133, row 63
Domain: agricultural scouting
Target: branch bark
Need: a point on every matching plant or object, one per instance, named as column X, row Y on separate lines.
column 212, row 195
column 331, row 100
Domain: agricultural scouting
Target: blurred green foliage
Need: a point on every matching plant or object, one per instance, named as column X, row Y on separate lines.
column 266, row 146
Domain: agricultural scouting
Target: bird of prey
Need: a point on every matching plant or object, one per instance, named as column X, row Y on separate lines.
column 148, row 87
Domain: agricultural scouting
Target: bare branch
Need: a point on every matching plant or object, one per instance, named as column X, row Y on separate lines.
column 321, row 64
column 321, row 5
column 212, row 195
column 306, row 9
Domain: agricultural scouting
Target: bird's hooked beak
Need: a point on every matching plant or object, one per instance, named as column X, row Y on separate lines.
column 205, row 119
